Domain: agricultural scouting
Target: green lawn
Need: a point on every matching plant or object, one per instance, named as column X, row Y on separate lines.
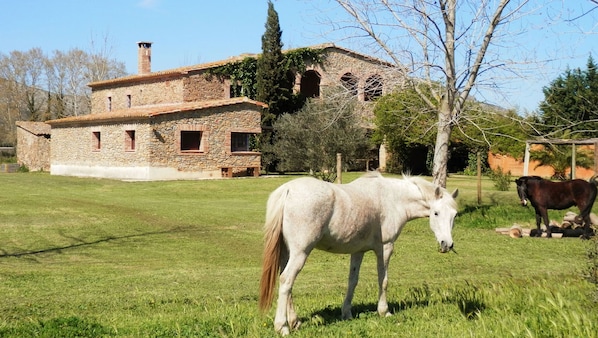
column 96, row 258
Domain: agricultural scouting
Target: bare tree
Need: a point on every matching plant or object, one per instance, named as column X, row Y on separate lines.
column 37, row 88
column 68, row 83
column 23, row 89
column 436, row 42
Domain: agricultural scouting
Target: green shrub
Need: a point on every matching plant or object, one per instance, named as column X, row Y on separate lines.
column 501, row 180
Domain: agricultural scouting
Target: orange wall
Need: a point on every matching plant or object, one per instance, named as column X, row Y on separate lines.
column 508, row 163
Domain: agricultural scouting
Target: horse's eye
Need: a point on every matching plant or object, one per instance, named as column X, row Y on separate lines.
column 435, row 213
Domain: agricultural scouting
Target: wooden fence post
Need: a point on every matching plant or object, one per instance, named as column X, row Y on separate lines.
column 339, row 168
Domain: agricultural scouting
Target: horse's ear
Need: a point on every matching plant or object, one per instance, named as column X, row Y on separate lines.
column 455, row 193
column 438, row 193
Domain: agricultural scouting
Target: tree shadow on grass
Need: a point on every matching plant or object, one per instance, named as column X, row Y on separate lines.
column 467, row 298
column 80, row 243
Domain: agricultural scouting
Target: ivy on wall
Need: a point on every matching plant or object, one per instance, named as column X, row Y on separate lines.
column 242, row 74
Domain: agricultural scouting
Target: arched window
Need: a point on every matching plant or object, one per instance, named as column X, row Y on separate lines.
column 310, row 84
column 373, row 88
column 350, row 82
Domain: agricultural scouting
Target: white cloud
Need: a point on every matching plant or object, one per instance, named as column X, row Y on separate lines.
column 148, row 4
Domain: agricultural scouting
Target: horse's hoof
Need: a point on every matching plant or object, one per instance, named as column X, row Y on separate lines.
column 284, row 331
column 297, row 325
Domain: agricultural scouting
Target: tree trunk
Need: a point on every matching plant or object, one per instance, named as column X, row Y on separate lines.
column 441, row 148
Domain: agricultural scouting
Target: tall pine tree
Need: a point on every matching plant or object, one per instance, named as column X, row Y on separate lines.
column 274, row 85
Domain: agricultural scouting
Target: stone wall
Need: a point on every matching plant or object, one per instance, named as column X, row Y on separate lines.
column 33, row 145
column 153, row 91
column 157, row 154
column 217, row 124
column 202, row 86
column 339, row 62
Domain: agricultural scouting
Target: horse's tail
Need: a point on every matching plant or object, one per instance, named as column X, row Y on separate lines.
column 273, row 246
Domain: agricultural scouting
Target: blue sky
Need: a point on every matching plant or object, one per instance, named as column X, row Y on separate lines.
column 186, row 32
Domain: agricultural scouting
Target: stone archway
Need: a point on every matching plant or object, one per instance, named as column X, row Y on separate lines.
column 310, row 84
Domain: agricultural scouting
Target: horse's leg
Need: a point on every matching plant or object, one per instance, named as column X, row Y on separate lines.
column 383, row 258
column 356, row 259
column 539, row 216
column 546, row 223
column 586, row 227
column 292, row 317
column 287, row 278
column 585, row 216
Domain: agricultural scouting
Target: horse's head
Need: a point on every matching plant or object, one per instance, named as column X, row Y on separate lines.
column 522, row 190
column 443, row 210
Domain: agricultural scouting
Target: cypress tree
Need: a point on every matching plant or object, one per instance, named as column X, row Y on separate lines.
column 274, row 85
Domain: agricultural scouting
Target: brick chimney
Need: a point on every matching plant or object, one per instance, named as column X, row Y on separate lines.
column 144, row 57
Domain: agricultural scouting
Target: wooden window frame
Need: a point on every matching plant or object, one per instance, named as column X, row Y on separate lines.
column 130, row 140
column 96, row 140
column 185, row 131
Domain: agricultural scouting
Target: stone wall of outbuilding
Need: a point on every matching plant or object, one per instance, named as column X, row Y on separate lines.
column 33, row 145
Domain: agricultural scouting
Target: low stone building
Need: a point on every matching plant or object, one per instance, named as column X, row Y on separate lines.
column 33, row 145
column 194, row 140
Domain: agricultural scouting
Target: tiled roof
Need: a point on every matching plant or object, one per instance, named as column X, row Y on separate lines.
column 153, row 110
column 36, row 128
column 169, row 72
column 209, row 65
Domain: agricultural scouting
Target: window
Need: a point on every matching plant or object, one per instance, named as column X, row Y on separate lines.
column 128, row 101
column 97, row 144
column 130, row 140
column 373, row 88
column 236, row 90
column 240, row 142
column 109, row 103
column 349, row 81
column 191, row 141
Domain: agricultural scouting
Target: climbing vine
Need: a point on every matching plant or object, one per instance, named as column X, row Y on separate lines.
column 242, row 74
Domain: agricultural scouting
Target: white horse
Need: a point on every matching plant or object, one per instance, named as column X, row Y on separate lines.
column 366, row 214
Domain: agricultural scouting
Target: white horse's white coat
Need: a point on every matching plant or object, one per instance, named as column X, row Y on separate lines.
column 366, row 214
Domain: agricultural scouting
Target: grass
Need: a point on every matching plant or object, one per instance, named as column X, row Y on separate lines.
column 102, row 258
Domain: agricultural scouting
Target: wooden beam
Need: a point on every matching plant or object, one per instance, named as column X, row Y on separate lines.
column 526, row 159
column 573, row 161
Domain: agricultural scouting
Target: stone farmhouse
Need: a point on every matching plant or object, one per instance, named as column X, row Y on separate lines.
column 183, row 123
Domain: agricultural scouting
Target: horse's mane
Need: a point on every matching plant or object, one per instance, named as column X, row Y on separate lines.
column 428, row 189
column 372, row 174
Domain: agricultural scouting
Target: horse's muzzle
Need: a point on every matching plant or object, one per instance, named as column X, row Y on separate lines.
column 524, row 202
column 445, row 247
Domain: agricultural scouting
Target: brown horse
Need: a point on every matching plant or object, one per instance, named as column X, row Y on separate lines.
column 544, row 194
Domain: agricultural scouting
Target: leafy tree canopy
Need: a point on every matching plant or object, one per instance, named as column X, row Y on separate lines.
column 403, row 123
column 242, row 73
column 570, row 104
column 310, row 139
